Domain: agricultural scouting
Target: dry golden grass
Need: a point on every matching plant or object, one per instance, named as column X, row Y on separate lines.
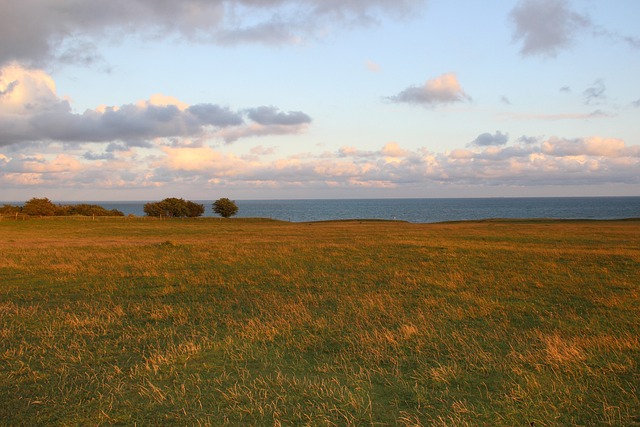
column 247, row 322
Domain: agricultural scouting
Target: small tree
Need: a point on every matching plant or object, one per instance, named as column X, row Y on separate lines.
column 195, row 209
column 39, row 207
column 174, row 207
column 225, row 208
column 154, row 209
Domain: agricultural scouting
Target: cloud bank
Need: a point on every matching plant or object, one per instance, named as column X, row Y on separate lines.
column 530, row 161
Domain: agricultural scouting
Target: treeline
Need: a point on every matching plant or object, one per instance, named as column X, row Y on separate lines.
column 45, row 207
column 168, row 208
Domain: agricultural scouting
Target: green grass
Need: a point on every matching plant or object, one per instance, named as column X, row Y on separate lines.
column 365, row 323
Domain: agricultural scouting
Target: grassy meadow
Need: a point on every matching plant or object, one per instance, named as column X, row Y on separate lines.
column 209, row 322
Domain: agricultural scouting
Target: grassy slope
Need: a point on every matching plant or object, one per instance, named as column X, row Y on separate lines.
column 209, row 322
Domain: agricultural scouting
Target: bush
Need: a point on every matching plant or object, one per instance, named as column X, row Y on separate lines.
column 39, row 207
column 174, row 208
column 84, row 209
column 45, row 207
column 7, row 209
column 195, row 209
column 225, row 208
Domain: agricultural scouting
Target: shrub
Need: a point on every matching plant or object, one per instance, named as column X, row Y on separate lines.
column 7, row 209
column 44, row 207
column 39, row 207
column 225, row 208
column 175, row 208
column 84, row 209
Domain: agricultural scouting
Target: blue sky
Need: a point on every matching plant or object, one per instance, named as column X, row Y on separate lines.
column 272, row 99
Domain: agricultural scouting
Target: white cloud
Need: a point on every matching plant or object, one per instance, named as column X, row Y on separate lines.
column 444, row 89
column 593, row 146
column 62, row 163
column 202, row 159
column 23, row 91
column 393, row 149
column 31, row 111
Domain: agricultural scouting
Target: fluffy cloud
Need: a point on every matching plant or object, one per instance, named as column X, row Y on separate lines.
column 189, row 159
column 23, row 91
column 393, row 150
column 31, row 111
column 38, row 31
column 594, row 146
column 486, row 139
column 545, row 26
column 444, row 89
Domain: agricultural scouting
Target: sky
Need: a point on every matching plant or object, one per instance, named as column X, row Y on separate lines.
column 312, row 99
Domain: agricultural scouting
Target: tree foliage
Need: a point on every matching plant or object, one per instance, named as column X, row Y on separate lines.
column 84, row 209
column 195, row 209
column 45, row 207
column 7, row 209
column 174, row 208
column 39, row 207
column 225, row 208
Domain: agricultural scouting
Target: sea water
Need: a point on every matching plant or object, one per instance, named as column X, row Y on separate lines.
column 422, row 210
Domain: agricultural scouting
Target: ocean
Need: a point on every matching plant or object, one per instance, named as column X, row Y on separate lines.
column 422, row 210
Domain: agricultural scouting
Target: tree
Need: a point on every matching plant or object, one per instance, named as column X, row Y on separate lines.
column 85, row 209
column 195, row 209
column 154, row 209
column 173, row 207
column 225, row 208
column 39, row 207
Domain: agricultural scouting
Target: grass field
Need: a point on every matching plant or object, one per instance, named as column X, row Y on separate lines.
column 364, row 323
